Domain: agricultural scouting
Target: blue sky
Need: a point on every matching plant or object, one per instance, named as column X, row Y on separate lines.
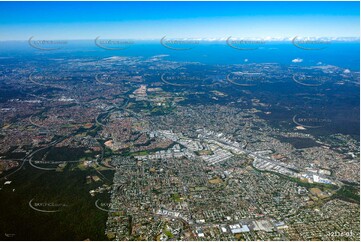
column 153, row 20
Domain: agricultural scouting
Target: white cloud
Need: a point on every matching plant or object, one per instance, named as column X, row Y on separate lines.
column 297, row 60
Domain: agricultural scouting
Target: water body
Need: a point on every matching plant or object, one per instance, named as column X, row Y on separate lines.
column 342, row 54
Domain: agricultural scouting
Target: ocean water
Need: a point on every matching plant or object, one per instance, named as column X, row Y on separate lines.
column 342, row 54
